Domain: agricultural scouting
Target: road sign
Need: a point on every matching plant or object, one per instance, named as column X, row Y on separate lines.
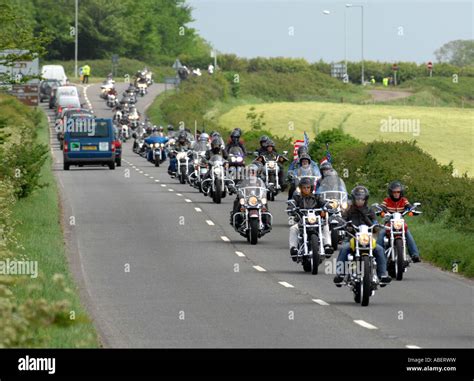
column 429, row 65
column 115, row 58
column 395, row 67
column 27, row 94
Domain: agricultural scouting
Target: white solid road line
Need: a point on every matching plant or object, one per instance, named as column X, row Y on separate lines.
column 258, row 268
column 210, row 223
column 286, row 284
column 240, row 254
column 198, row 210
column 364, row 324
column 409, row 346
column 320, row 302
column 225, row 239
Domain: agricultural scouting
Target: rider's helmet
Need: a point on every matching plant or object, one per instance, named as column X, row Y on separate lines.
column 306, row 186
column 270, row 143
column 155, row 129
column 161, row 128
column 170, row 127
column 204, row 137
column 235, row 136
column 396, row 190
column 182, row 137
column 253, row 170
column 263, row 141
column 302, row 150
column 215, row 145
column 360, row 195
column 149, row 130
column 304, row 157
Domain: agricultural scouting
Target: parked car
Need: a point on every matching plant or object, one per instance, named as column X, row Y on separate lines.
column 93, row 147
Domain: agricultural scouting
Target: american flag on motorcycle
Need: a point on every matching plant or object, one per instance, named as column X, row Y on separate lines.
column 298, row 144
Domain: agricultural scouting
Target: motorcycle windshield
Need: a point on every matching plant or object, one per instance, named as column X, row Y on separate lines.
column 236, row 151
column 259, row 192
column 332, row 188
column 200, row 146
column 216, row 160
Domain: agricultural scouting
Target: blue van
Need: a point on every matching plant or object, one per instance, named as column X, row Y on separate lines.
column 89, row 142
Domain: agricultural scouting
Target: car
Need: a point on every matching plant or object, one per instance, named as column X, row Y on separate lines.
column 67, row 102
column 46, row 87
column 90, row 146
column 54, row 72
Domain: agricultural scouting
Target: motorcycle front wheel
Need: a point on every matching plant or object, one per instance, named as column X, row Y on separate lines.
column 400, row 265
column 315, row 248
column 217, row 192
column 365, row 287
column 253, row 231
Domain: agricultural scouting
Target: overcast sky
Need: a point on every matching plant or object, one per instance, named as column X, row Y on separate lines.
column 393, row 31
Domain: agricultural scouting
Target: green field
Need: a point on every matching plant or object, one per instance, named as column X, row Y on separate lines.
column 445, row 133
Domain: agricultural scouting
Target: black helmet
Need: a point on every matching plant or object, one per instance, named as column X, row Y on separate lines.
column 360, row 193
column 302, row 150
column 170, row 127
column 215, row 143
column 304, row 157
column 236, row 133
column 396, row 185
column 270, row 143
column 325, row 166
column 263, row 140
column 182, row 136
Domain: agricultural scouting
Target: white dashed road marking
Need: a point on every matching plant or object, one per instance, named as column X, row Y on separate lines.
column 285, row 284
column 258, row 268
column 320, row 302
column 225, row 239
column 210, row 223
column 412, row 346
column 240, row 254
column 364, row 324
column 198, row 210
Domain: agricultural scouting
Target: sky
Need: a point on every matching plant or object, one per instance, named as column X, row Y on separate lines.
column 393, row 31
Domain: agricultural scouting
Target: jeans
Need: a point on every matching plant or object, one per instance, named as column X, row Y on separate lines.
column 173, row 167
column 378, row 253
column 411, row 245
column 294, row 231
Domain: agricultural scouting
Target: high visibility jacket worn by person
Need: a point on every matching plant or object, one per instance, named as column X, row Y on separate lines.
column 86, row 70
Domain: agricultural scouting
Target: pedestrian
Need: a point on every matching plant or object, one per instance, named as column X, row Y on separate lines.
column 372, row 80
column 385, row 81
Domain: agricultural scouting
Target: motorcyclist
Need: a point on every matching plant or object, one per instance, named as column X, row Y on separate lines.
column 202, row 144
column 216, row 149
column 303, row 168
column 294, row 164
column 396, row 202
column 182, row 144
column 305, row 200
column 170, row 129
column 270, row 153
column 235, row 141
column 263, row 144
column 326, row 170
column 251, row 180
column 217, row 135
column 359, row 213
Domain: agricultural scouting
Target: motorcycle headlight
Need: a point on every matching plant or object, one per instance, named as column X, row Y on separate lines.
column 242, row 201
column 253, row 200
column 333, row 204
column 217, row 171
column 232, row 159
column 344, row 205
column 271, row 165
column 364, row 239
column 312, row 219
column 298, row 189
column 264, row 200
column 239, row 159
column 398, row 224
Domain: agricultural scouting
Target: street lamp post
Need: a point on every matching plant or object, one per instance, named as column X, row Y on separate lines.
column 326, row 12
column 75, row 38
column 362, row 36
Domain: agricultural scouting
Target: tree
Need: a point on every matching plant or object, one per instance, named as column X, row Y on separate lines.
column 17, row 37
column 458, row 53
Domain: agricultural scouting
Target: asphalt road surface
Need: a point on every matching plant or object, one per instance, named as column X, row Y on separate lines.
column 159, row 266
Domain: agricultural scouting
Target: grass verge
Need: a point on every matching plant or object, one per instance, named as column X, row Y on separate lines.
column 39, row 232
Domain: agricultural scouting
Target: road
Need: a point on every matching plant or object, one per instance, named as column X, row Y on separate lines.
column 159, row 265
column 388, row 95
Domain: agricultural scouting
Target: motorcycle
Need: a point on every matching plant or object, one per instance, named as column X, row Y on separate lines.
column 200, row 170
column 249, row 222
column 271, row 169
column 310, row 237
column 361, row 275
column 112, row 100
column 124, row 130
column 105, row 88
column 333, row 191
column 216, row 184
column 142, row 88
column 182, row 158
column 158, row 150
column 138, row 143
column 236, row 164
column 395, row 245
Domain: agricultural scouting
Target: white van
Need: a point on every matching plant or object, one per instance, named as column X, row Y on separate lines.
column 54, row 72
